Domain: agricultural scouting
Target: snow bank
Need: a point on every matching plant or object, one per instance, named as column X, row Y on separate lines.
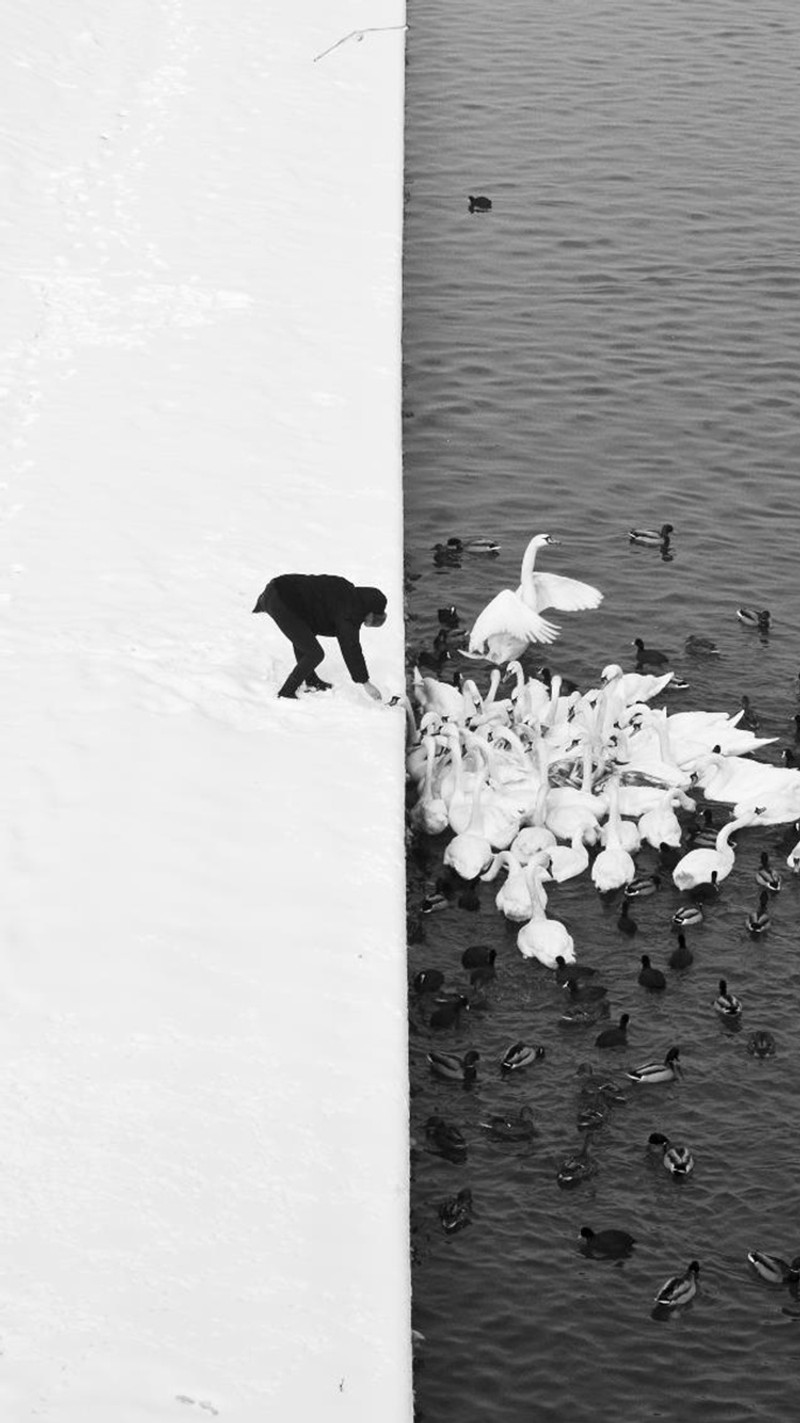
column 203, row 1194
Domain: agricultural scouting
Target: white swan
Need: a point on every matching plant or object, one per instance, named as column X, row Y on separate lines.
column 567, row 861
column 699, row 865
column 513, row 898
column 542, row 938
column 470, row 852
column 513, row 620
column 613, row 867
column 430, row 813
column 660, row 825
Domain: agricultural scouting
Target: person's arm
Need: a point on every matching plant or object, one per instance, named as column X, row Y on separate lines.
column 347, row 633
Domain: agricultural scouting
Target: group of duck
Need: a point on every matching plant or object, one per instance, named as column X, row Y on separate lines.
column 543, row 783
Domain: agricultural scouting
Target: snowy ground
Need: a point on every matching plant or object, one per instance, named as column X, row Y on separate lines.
column 203, row 1179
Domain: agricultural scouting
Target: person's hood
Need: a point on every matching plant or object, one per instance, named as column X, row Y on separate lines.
column 371, row 600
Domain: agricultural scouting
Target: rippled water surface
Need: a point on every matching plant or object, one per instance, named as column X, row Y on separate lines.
column 617, row 343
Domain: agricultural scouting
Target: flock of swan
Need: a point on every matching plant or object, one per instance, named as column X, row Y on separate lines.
column 541, row 783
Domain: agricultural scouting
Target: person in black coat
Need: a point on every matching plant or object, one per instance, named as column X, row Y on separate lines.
column 307, row 606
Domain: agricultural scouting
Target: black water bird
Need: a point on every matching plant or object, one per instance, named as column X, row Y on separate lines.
column 648, row 656
column 651, row 978
column 479, row 203
column 682, row 956
column 606, row 1244
column 614, row 1037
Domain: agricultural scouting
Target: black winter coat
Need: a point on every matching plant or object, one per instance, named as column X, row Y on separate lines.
column 331, row 607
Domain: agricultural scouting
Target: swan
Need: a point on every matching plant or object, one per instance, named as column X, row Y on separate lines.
column 614, row 866
column 469, row 853
column 430, row 813
column 530, row 697
column 732, row 779
column 441, row 697
column 697, row 867
column 634, row 686
column 661, row 826
column 777, row 807
column 513, row 899
column 542, row 938
column 567, row 861
column 512, row 620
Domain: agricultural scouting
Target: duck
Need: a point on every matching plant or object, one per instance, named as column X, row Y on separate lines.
column 652, row 1072
column 483, row 974
column 687, row 915
column 727, row 1004
column 451, row 1068
column 678, row 1160
column 648, row 656
column 651, row 538
column 701, row 646
column 592, row 1113
column 625, row 923
column 682, row 956
column 448, row 617
column 513, row 620
column 754, row 618
column 768, row 878
column 577, row 1168
column 761, row 1044
column 447, row 555
column 594, row 1084
column 582, row 1015
column 606, row 1244
column 456, row 1212
column 773, row 1269
column 479, row 544
column 614, row 1037
column 679, row 1289
column 758, row 920
column 428, row 980
column 651, row 978
column 520, row 1055
column 479, row 203
column 434, row 903
column 508, row 1126
column 642, row 886
column 446, row 1139
column 584, row 993
column 477, row 955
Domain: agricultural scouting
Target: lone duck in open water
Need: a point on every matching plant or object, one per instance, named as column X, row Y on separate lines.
column 679, row 1289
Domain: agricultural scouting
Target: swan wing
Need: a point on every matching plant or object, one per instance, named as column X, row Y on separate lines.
column 507, row 617
column 569, row 595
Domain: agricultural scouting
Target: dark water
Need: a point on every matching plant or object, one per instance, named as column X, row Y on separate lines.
column 617, row 343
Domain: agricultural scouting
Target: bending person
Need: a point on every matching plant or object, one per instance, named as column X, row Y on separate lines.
column 307, row 606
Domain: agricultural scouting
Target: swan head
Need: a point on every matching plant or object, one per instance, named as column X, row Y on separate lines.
column 609, row 673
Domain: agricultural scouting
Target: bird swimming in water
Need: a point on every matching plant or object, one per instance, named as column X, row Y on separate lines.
column 651, row 978
column 520, row 1055
column 727, row 1004
column 428, row 980
column 446, row 1139
column 682, row 956
column 448, row 1013
column 456, row 1212
column 755, row 618
column 606, row 1244
column 578, row 1168
column 748, row 721
column 568, row 972
column 508, row 1126
column 652, row 1072
column 648, row 656
column 687, row 914
column 476, row 955
column 479, row 203
column 642, row 886
column 513, row 620
column 768, row 878
column 625, row 923
column 773, row 1269
column 614, row 1037
column 679, row 1289
column 678, row 1160
column 758, row 920
column 448, row 617
column 701, row 646
column 479, row 544
column 651, row 538
column 452, row 1068
column 761, row 1044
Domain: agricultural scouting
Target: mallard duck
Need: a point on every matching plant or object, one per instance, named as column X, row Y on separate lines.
column 651, row 538
column 434, row 903
column 446, row 1139
column 452, row 1068
column 682, row 956
column 678, row 684
column 754, row 618
column 458, row 546
column 577, row 1168
column 679, row 1289
column 448, row 1013
column 625, row 923
column 761, row 1044
column 479, row 203
column 592, row 1112
column 520, row 1055
column 651, row 978
column 686, row 915
column 606, row 1244
column 648, row 656
column 758, row 920
column 447, row 555
column 477, row 955
column 507, row 1126
column 428, row 980
column 678, row 1160
column 593, row 1084
column 727, row 1004
column 773, row 1269
column 642, row 886
column 768, row 878
column 701, row 646
column 456, row 1211
column 614, row 1037
column 651, row 1072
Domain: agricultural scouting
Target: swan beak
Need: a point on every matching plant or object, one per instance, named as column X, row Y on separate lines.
column 551, row 540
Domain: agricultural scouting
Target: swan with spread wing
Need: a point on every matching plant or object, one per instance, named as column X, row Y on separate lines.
column 513, row 620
